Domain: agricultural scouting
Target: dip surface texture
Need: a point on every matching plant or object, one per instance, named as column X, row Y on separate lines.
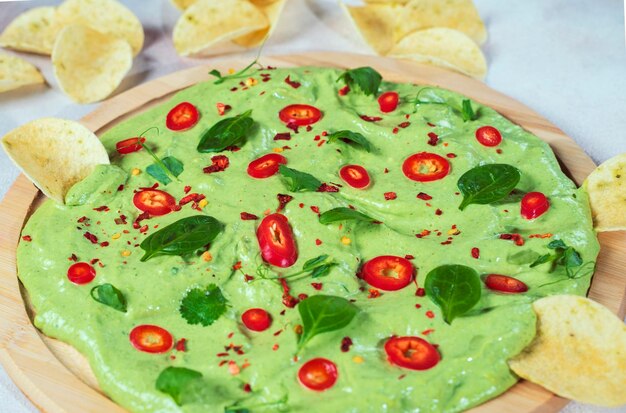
column 250, row 368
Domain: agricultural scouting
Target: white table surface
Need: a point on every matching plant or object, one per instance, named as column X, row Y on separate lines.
column 564, row 58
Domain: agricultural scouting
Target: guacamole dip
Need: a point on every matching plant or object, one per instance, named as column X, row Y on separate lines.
column 293, row 240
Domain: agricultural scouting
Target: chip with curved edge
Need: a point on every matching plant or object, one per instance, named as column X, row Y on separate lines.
column 455, row 14
column 106, row 16
column 90, row 65
column 606, row 187
column 32, row 31
column 271, row 10
column 16, row 72
column 579, row 351
column 54, row 153
column 183, row 4
column 375, row 23
column 209, row 22
column 443, row 47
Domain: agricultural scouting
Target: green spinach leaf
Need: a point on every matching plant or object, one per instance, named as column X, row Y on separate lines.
column 173, row 167
column 323, row 314
column 297, row 181
column 345, row 135
column 456, row 289
column 343, row 214
column 176, row 381
column 203, row 306
column 107, row 294
column 227, row 132
column 365, row 79
column 485, row 184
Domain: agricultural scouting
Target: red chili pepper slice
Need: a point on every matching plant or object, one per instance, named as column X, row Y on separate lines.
column 388, row 101
column 266, row 165
column 413, row 353
column 129, row 145
column 505, row 284
column 533, row 205
column 300, row 115
column 355, row 175
column 151, row 339
column 425, row 167
column 182, row 116
column 256, row 319
column 488, row 136
column 81, row 273
column 388, row 272
column 154, row 201
column 278, row 246
column 318, row 374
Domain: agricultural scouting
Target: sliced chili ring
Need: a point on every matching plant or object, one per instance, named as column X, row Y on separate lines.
column 488, row 136
column 425, row 167
column 276, row 240
column 355, row 175
column 81, row 273
column 154, row 201
column 388, row 272
column 410, row 352
column 505, row 284
column 533, row 205
column 256, row 319
column 318, row 374
column 129, row 145
column 388, row 101
column 151, row 339
column 300, row 114
column 182, row 116
column 266, row 165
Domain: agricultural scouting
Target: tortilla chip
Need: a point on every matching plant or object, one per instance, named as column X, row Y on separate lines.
column 443, row 47
column 272, row 11
column 106, row 16
column 183, row 4
column 455, row 14
column 375, row 23
column 209, row 22
column 16, row 72
column 579, row 351
column 32, row 31
column 90, row 65
column 54, row 153
column 606, row 187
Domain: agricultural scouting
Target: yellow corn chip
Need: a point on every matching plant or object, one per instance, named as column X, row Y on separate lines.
column 16, row 72
column 272, row 11
column 606, row 187
column 375, row 23
column 183, row 4
column 32, row 31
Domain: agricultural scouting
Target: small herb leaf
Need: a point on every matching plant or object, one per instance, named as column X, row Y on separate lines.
column 365, row 79
column 456, row 289
column 522, row 257
column 227, row 132
column 107, row 294
column 323, row 314
column 297, row 181
column 173, row 167
column 343, row 214
column 467, row 112
column 345, row 135
column 203, row 306
column 485, row 184
column 175, row 381
column 314, row 262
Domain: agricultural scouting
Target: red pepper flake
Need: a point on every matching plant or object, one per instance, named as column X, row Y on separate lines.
column 428, row 331
column 82, row 219
column 400, row 377
column 94, row 261
column 499, row 151
column 447, row 242
column 277, row 333
column 121, row 220
column 91, row 237
column 247, row 388
column 317, row 286
column 73, row 257
column 318, row 242
column 143, row 229
column 546, row 235
column 246, row 216
column 373, row 293
column 120, row 188
column 283, row 200
column 346, row 343
column 418, row 306
column 451, row 155
column 327, row 188
column 438, row 212
column 27, row 238
column 285, row 136
column 233, row 368
column 230, row 335
column 433, row 139
column 370, row 118
column 221, row 363
column 102, row 208
column 219, row 164
column 390, row 196
column 432, row 125
column 423, row 234
column 187, row 189
column 275, row 347
column 141, row 217
column 516, row 238
column 288, row 300
column 301, row 205
column 292, row 83
column 386, row 170
column 237, row 266
column 104, row 244
column 475, row 253
column 247, row 278
column 222, row 108
column 430, row 314
column 420, row 292
column 344, row 90
column 181, row 345
column 404, row 125
column 315, row 209
column 424, row 196
column 409, row 257
column 303, row 296
column 320, row 143
column 395, row 130
column 293, row 126
column 195, row 197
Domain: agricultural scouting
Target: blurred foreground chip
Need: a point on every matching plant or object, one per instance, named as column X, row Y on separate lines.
column 54, row 153
column 272, row 11
column 183, row 4
column 579, row 351
column 16, row 72
column 606, row 187
column 375, row 23
column 90, row 65
column 32, row 31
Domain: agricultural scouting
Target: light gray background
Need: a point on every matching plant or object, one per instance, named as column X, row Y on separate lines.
column 564, row 58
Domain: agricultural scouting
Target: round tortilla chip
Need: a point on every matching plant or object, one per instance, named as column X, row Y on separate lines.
column 375, row 23
column 106, row 16
column 90, row 65
column 579, row 351
column 16, row 72
column 272, row 11
column 54, row 153
column 32, row 31
column 606, row 187
column 443, row 47
column 209, row 22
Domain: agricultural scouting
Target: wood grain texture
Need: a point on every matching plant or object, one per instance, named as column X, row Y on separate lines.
column 57, row 378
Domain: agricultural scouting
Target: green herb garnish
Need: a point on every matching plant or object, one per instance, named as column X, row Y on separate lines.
column 169, row 166
column 356, row 138
column 456, row 289
column 323, row 314
column 177, row 382
column 343, row 214
column 203, row 306
column 485, row 184
column 297, row 181
column 240, row 74
column 365, row 79
column 227, row 132
column 467, row 112
column 181, row 237
column 108, row 295
column 563, row 255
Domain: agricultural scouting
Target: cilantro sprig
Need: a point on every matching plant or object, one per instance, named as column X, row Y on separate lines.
column 203, row 306
column 364, row 79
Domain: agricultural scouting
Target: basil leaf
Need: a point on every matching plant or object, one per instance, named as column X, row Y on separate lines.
column 175, row 381
column 227, row 132
column 203, row 306
column 467, row 112
column 107, row 294
column 365, row 79
column 314, row 262
column 297, row 181
column 181, row 237
column 323, row 314
column 343, row 214
column 354, row 137
column 456, row 289
column 485, row 184
column 173, row 165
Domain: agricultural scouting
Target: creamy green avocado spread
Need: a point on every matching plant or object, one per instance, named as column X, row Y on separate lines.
column 196, row 288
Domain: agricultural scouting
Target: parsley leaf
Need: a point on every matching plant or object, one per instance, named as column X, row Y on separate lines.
column 173, row 167
column 108, row 295
column 297, row 181
column 347, row 136
column 176, row 381
column 323, row 314
column 365, row 79
column 203, row 306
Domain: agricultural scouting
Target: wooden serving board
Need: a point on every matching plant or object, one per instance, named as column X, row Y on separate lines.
column 56, row 378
